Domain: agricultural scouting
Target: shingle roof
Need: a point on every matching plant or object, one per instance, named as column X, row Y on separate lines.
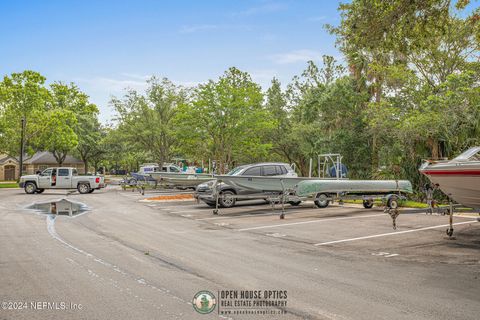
column 46, row 157
column 4, row 158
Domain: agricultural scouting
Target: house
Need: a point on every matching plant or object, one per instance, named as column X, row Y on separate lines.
column 9, row 166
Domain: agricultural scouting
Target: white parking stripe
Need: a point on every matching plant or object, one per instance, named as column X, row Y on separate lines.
column 274, row 213
column 312, row 221
column 243, row 215
column 391, row 233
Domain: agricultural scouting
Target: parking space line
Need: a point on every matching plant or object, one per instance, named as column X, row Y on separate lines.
column 243, row 215
column 276, row 213
column 185, row 211
column 391, row 233
column 312, row 221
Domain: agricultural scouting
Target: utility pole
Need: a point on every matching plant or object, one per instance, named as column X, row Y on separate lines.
column 22, row 147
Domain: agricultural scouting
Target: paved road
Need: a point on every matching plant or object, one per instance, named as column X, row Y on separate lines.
column 126, row 259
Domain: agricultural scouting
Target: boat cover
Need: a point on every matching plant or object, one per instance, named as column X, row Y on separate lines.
column 312, row 187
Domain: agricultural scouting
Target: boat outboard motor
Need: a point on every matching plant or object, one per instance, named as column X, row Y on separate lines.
column 342, row 172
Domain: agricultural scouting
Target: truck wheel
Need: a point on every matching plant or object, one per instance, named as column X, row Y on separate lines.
column 83, row 188
column 321, row 200
column 30, row 188
column 227, row 200
column 368, row 204
column 40, row 190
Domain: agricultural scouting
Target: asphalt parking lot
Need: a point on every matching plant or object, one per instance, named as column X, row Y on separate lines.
column 349, row 228
column 128, row 258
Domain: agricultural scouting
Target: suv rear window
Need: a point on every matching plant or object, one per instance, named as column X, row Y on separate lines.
column 270, row 171
column 255, row 171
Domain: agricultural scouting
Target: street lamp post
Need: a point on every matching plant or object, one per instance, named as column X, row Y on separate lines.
column 22, row 147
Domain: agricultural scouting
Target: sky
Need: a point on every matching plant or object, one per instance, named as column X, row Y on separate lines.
column 107, row 46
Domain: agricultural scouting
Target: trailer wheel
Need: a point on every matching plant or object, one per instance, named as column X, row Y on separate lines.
column 368, row 204
column 227, row 200
column 392, row 202
column 321, row 200
column 30, row 188
column 83, row 188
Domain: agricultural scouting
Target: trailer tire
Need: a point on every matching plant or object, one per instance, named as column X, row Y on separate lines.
column 368, row 204
column 229, row 201
column 30, row 188
column 83, row 188
column 392, row 202
column 321, row 200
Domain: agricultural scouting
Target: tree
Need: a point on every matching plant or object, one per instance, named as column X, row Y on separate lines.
column 23, row 99
column 226, row 121
column 147, row 120
column 68, row 103
column 90, row 146
column 57, row 133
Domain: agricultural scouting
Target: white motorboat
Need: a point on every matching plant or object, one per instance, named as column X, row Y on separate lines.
column 458, row 178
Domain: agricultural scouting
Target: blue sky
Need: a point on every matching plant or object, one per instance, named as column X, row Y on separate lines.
column 106, row 46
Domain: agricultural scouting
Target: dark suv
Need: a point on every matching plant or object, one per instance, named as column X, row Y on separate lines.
column 204, row 191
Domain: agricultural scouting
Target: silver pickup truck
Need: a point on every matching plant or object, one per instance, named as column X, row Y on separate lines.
column 61, row 178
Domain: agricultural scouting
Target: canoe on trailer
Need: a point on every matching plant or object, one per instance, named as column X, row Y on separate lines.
column 260, row 184
column 308, row 188
column 188, row 181
column 159, row 176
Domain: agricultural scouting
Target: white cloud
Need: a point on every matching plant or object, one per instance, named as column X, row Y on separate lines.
column 112, row 85
column 198, row 28
column 296, row 56
column 317, row 18
column 268, row 7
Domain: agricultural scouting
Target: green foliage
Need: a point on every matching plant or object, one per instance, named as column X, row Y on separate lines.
column 146, row 121
column 56, row 133
column 56, row 118
column 21, row 95
column 225, row 121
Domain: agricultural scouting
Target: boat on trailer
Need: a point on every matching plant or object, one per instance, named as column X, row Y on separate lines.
column 185, row 180
column 458, row 178
column 294, row 190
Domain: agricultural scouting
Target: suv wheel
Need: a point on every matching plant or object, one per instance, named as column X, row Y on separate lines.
column 30, row 188
column 227, row 200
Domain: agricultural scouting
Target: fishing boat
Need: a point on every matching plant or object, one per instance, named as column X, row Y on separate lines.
column 185, row 180
column 458, row 178
column 143, row 173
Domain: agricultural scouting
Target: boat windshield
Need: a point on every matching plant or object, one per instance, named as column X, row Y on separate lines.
column 235, row 171
column 472, row 154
